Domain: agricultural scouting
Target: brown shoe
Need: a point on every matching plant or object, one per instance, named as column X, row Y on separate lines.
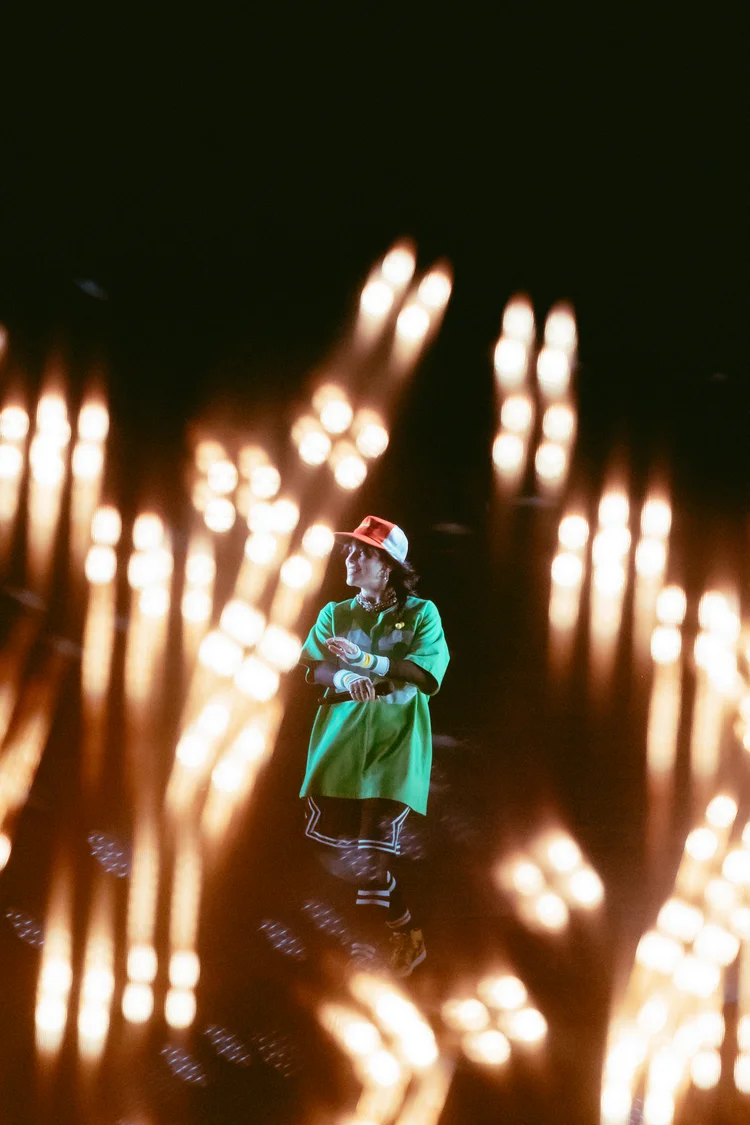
column 406, row 952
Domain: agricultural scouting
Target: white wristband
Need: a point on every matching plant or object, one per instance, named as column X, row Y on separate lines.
column 343, row 679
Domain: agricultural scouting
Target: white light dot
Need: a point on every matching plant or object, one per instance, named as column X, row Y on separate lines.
column 200, row 569
column 336, row 416
column 350, row 471
column 93, row 422
column 87, row 461
column 435, row 289
column 100, row 565
column 137, row 1002
column 656, row 518
column 558, row 422
column 650, row 558
column 567, row 570
column 377, row 298
column 14, row 423
column 671, row 605
column 506, row 992
column 517, row 413
column 518, row 319
column 465, row 1014
column 560, row 329
column 180, row 1007
column 11, row 462
column 296, row 572
column 318, row 541
column 551, row 911
column 490, row 1048
column 550, row 461
column 219, row 514
column 242, row 621
column 398, row 266
column 261, row 548
column 553, row 371
column 184, row 968
column 586, row 888
column 508, row 452
column 614, row 509
column 223, row 477
column 527, row 1025
column 705, row 1069
column 563, row 853
column 573, row 532
column 721, row 811
column 265, row 481
column 666, row 644
column 510, row 362
column 257, row 680
column 412, row 323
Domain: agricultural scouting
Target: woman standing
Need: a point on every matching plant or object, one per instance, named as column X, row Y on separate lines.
column 380, row 656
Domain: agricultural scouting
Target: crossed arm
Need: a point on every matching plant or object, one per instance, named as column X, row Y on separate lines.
column 363, row 689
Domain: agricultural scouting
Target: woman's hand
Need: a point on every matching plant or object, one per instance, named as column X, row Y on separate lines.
column 344, row 649
column 362, row 690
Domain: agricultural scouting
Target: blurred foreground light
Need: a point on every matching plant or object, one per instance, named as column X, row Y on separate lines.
column 518, row 319
column 505, row 992
column 716, row 615
column 656, row 519
column 243, row 622
column 349, row 469
column 558, row 422
column 261, row 548
column 614, row 509
column 285, row 515
column 616, row 1104
column 510, row 362
column 154, row 601
column 222, row 477
column 280, row 648
column 567, row 570
column 5, row 849
column 200, row 569
column 47, row 466
column 11, row 462
column 315, row 447
column 219, row 514
column 52, row 420
column 736, row 867
column 214, row 718
column 207, row 452
column 697, row 977
column 526, row 878
column 250, row 457
column 51, row 1014
column 260, row 516
column 517, row 413
column 88, row 460
column 265, row 481
column 586, row 888
column 465, row 1014
column 296, row 572
column 251, row 743
column 93, row 422
column 148, row 531
column 106, row 526
column 666, row 644
column 659, row 953
column 137, row 1001
column 371, row 435
column 610, row 579
column 551, row 912
column 653, row 1015
column 184, row 968
column 701, row 844
column 527, row 1025
column 560, row 328
column 377, row 298
column 705, row 1069
column 508, row 451
column 680, row 919
column 743, row 1033
column 721, row 811
column 650, row 558
column 196, row 606
column 553, row 371
column 563, row 854
column 434, row 289
column 318, row 541
column 100, row 565
column 255, row 679
column 229, row 775
column 336, row 415
column 14, row 423
column 192, row 750
column 382, row 1068
column 398, row 265
column 610, row 545
column 671, row 605
column 220, row 654
column 742, row 1073
column 180, row 1007
column 550, row 461
column 717, row 945
column 720, row 895
column 488, row 1048
column 142, row 963
column 573, row 532
column 412, row 323
column 658, row 1108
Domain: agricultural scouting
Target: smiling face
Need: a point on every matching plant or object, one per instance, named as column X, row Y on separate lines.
column 366, row 569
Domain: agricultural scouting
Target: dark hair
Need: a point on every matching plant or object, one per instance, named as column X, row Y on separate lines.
column 403, row 577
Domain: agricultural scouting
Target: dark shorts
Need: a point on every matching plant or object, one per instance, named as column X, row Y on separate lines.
column 348, row 822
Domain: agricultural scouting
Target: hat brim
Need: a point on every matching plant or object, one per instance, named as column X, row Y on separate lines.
column 343, row 536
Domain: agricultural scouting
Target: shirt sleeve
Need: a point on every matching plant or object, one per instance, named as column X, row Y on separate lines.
column 314, row 650
column 429, row 649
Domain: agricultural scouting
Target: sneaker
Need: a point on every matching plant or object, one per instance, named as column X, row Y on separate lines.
column 407, row 951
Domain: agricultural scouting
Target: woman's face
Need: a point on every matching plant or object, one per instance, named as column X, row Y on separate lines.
column 363, row 567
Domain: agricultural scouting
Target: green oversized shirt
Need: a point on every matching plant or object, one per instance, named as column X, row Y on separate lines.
column 382, row 748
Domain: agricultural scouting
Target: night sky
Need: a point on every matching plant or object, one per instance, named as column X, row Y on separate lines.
column 193, row 204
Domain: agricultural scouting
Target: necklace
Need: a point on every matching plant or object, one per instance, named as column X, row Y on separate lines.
column 372, row 605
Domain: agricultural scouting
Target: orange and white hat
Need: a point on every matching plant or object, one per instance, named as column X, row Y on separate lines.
column 380, row 533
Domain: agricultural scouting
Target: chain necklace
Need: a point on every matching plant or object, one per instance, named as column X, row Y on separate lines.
column 372, row 605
